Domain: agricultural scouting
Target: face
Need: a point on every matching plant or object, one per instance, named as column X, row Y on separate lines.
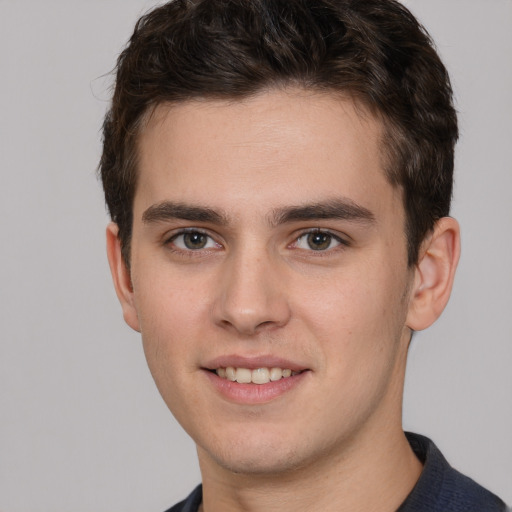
column 269, row 277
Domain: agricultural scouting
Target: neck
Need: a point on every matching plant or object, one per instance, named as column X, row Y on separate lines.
column 362, row 480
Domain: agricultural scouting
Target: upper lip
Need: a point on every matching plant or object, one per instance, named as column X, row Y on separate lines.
column 253, row 362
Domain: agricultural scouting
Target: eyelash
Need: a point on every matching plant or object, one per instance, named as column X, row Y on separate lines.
column 189, row 252
column 170, row 242
column 341, row 242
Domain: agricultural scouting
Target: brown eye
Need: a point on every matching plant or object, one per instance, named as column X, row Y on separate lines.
column 195, row 240
column 319, row 241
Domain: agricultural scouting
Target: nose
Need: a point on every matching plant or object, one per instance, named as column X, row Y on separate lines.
column 252, row 295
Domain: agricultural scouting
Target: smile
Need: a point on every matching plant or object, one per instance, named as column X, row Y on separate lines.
column 255, row 376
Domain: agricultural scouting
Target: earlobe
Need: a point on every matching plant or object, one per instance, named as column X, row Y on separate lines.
column 434, row 274
column 121, row 277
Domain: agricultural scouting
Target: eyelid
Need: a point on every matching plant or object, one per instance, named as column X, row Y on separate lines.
column 344, row 240
column 170, row 236
column 169, row 239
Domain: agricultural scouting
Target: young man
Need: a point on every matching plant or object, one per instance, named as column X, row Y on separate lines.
column 279, row 177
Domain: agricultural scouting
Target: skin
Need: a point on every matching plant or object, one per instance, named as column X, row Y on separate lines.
column 343, row 312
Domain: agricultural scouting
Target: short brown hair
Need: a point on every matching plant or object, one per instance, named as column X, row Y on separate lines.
column 374, row 50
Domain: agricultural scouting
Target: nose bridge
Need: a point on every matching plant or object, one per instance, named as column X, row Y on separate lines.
column 251, row 295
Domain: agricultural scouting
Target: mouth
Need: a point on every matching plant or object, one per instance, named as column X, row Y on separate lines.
column 254, row 380
column 255, row 376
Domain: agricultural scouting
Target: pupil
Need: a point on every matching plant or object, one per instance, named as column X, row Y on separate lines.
column 319, row 241
column 194, row 240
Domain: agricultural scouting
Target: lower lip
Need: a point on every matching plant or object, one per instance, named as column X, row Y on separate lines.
column 253, row 394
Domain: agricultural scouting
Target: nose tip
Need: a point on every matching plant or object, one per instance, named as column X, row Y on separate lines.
column 252, row 299
column 251, row 321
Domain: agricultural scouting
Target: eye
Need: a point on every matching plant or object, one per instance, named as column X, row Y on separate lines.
column 317, row 241
column 193, row 241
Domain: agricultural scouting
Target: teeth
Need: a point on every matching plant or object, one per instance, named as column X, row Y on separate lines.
column 260, row 376
column 243, row 375
column 276, row 374
column 257, row 376
column 230, row 373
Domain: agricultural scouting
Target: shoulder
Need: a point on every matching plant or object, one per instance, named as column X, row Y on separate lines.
column 442, row 488
column 191, row 503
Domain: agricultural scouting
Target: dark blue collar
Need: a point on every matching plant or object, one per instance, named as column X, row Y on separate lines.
column 441, row 488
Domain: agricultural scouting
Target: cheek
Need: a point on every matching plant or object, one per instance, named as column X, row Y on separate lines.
column 171, row 315
column 171, row 330
column 356, row 316
column 348, row 303
column 359, row 327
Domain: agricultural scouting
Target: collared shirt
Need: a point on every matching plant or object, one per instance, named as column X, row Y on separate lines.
column 440, row 488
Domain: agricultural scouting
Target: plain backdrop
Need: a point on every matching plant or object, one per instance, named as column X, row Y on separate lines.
column 82, row 427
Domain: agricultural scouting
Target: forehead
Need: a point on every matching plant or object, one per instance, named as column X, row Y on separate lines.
column 277, row 147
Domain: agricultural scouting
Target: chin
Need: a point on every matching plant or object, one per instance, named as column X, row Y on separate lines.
column 265, row 462
column 258, row 455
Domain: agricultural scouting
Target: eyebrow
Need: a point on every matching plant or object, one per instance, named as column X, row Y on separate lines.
column 339, row 208
column 168, row 210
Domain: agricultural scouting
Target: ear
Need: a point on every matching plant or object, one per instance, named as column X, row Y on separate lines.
column 121, row 277
column 434, row 274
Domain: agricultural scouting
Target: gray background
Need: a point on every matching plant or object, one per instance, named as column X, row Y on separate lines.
column 82, row 427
